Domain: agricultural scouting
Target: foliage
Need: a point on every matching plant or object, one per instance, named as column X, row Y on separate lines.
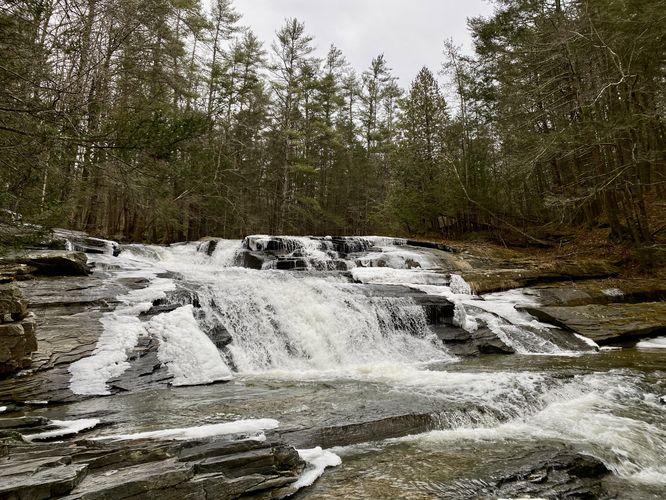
column 161, row 121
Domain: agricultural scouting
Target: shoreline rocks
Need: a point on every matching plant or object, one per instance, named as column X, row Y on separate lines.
column 17, row 332
column 607, row 324
column 217, row 467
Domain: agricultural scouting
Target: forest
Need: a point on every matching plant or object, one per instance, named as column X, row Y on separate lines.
column 169, row 120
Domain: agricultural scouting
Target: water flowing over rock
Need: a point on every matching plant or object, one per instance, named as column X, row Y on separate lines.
column 360, row 346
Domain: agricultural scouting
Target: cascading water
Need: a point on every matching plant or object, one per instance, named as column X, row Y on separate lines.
column 278, row 321
column 285, row 335
column 285, row 321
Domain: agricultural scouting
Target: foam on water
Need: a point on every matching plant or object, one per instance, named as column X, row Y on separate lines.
column 656, row 343
column 589, row 412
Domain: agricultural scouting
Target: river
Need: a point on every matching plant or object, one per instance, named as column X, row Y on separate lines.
column 365, row 377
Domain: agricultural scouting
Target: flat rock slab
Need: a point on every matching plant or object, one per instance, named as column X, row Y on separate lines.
column 56, row 263
column 51, row 482
column 499, row 279
column 600, row 292
column 95, row 470
column 607, row 324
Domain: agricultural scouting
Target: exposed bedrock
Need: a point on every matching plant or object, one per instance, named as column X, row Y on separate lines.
column 582, row 293
column 488, row 280
column 463, row 343
column 206, row 468
column 607, row 324
column 559, row 472
column 56, row 263
column 17, row 331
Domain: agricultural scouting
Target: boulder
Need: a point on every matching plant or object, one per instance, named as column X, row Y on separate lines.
column 559, row 472
column 463, row 343
column 66, row 239
column 17, row 343
column 607, row 324
column 564, row 473
column 56, row 263
column 13, row 307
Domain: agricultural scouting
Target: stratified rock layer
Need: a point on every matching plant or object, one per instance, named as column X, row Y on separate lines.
column 17, row 331
column 606, row 324
column 213, row 468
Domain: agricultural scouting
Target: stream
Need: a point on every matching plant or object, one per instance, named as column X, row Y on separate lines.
column 364, row 375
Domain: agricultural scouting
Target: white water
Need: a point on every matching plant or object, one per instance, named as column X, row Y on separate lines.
column 294, row 323
column 286, row 321
column 301, row 327
column 279, row 321
column 656, row 343
column 589, row 412
column 252, row 428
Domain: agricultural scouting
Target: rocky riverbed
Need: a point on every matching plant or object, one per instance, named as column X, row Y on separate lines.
column 200, row 369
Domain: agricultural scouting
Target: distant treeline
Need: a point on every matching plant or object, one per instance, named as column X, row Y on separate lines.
column 157, row 120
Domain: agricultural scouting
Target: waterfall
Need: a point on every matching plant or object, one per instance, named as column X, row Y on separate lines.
column 217, row 315
column 280, row 321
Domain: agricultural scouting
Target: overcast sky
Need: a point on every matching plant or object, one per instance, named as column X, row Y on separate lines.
column 410, row 33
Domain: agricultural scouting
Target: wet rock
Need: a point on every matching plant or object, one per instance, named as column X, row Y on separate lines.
column 139, row 480
column 549, row 473
column 82, row 242
column 56, row 263
column 361, row 432
column 145, row 370
column 219, row 335
column 662, row 400
column 22, row 422
column 463, row 343
column 208, row 247
column 561, row 473
column 253, row 260
column 172, row 301
column 607, row 324
column 291, row 265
